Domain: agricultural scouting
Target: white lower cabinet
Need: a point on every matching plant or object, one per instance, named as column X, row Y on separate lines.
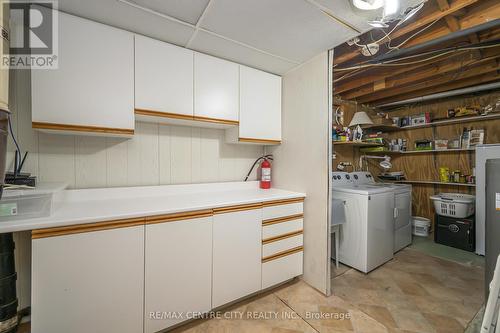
column 237, row 246
column 89, row 282
column 178, row 279
column 281, row 269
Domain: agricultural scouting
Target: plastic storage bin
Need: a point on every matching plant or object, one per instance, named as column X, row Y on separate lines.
column 454, row 204
column 23, row 204
column 420, row 226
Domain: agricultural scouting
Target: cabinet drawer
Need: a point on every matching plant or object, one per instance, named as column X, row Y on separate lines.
column 274, row 247
column 282, row 228
column 272, row 212
column 281, row 269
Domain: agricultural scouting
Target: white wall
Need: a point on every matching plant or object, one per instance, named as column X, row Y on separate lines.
column 157, row 154
column 302, row 161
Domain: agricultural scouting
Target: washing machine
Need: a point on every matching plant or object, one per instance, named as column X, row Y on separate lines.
column 402, row 203
column 367, row 236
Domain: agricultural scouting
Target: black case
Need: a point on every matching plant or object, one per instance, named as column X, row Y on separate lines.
column 458, row 233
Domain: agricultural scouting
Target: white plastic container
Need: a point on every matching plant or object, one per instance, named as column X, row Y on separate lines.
column 420, row 226
column 454, row 204
column 20, row 204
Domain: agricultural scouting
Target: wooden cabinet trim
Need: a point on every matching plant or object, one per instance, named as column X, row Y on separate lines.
column 237, row 208
column 282, row 202
column 161, row 114
column 179, row 216
column 84, row 228
column 81, row 128
column 282, row 219
column 283, row 254
column 264, row 141
column 282, row 237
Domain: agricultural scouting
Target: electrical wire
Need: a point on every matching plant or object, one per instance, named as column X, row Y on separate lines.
column 390, row 62
column 412, row 36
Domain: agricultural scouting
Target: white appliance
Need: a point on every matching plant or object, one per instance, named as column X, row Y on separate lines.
column 483, row 154
column 367, row 237
column 402, row 203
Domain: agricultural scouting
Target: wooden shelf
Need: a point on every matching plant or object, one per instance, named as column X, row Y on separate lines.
column 383, row 128
column 356, row 144
column 451, row 121
column 429, row 182
column 421, row 151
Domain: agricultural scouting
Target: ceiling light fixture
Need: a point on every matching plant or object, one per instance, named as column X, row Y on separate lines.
column 368, row 4
column 391, row 7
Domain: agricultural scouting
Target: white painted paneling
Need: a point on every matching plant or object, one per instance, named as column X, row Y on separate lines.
column 156, row 154
column 116, row 161
column 306, row 133
column 180, row 154
column 57, row 158
column 90, row 161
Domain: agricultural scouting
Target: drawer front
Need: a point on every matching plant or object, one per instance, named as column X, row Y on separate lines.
column 282, row 228
column 281, row 269
column 272, row 212
column 272, row 248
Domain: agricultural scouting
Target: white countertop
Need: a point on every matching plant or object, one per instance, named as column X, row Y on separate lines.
column 97, row 205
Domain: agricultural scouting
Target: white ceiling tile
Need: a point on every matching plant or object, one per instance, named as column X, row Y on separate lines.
column 219, row 47
column 185, row 10
column 120, row 15
column 343, row 10
column 294, row 29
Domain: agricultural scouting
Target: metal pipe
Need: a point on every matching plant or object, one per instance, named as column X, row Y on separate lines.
column 462, row 91
column 437, row 41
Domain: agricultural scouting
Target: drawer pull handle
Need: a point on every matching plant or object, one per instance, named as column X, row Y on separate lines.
column 282, row 219
column 281, row 237
column 283, row 254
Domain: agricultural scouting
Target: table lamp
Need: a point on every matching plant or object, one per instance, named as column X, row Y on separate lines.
column 360, row 118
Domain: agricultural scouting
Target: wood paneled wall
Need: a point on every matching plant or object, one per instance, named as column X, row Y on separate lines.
column 425, row 166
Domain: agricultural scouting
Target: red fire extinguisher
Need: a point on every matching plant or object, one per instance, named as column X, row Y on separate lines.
column 263, row 171
column 265, row 174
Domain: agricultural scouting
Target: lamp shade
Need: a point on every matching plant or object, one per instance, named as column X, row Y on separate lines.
column 360, row 118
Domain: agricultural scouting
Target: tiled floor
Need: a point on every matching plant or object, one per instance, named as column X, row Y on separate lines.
column 414, row 292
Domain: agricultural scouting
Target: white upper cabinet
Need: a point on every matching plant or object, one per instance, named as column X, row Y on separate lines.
column 216, row 88
column 260, row 108
column 163, row 77
column 92, row 90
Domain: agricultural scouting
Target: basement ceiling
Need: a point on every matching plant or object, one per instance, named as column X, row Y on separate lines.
column 272, row 35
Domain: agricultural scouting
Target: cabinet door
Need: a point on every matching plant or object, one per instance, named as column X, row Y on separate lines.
column 260, row 105
column 216, row 88
column 93, row 88
column 178, row 271
column 237, row 248
column 163, row 77
column 89, row 282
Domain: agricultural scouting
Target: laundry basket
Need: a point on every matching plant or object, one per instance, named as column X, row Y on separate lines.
column 454, row 204
column 420, row 226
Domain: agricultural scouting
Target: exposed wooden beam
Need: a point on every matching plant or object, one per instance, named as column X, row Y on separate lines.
column 423, row 20
column 418, row 75
column 469, row 82
column 438, row 80
column 443, row 5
